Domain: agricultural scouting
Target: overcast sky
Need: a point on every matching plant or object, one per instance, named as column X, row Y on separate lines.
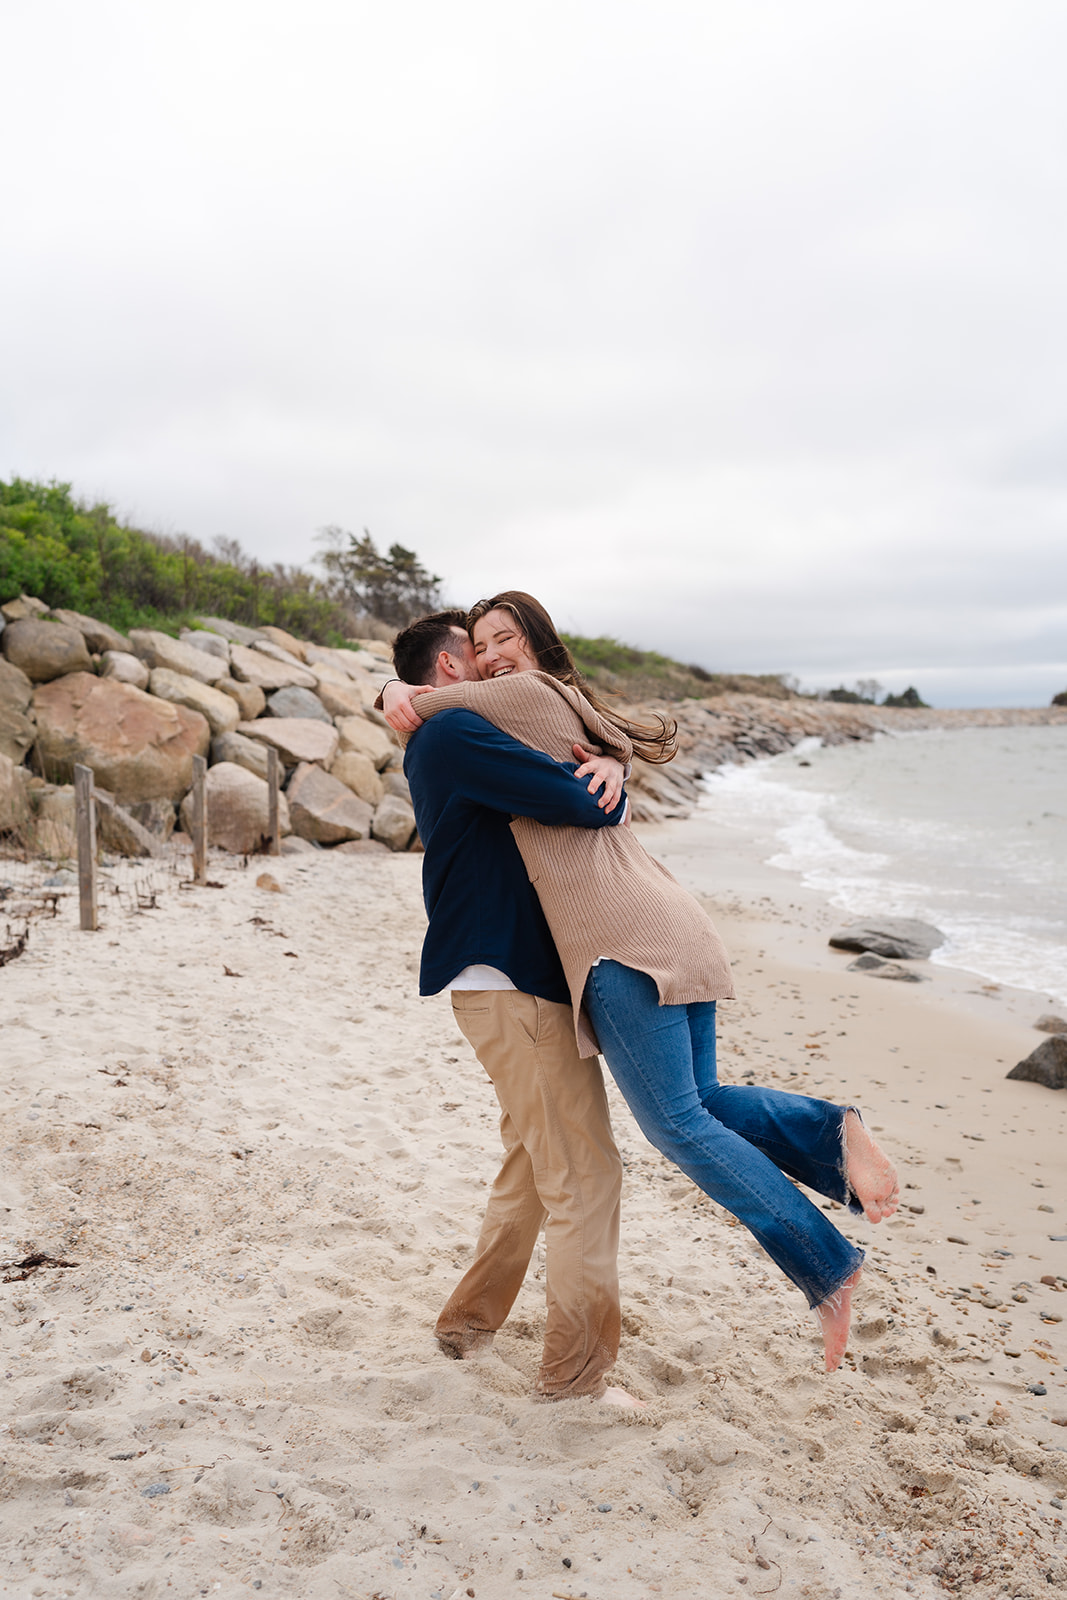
column 732, row 328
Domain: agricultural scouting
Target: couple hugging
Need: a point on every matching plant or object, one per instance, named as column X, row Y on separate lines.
column 559, row 937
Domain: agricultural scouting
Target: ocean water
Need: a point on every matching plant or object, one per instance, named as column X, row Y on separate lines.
column 966, row 829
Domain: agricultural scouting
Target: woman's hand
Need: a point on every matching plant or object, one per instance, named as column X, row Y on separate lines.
column 397, row 708
column 604, row 770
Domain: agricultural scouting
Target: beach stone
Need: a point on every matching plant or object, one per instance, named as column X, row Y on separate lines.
column 324, row 809
column 18, row 729
column 45, row 650
column 138, row 746
column 363, row 847
column 1050, row 1023
column 297, row 703
column 53, row 831
column 394, row 823
column 238, row 809
column 118, row 830
column 295, row 846
column 358, row 773
column 256, row 666
column 27, row 605
column 242, row 752
column 1047, row 1064
column 341, row 698
column 284, row 641
column 235, row 632
column 222, row 713
column 160, row 650
column 200, row 639
column 99, row 636
column 296, row 739
column 126, row 667
column 251, row 701
column 158, row 816
column 364, row 736
column 396, row 783
column 14, row 794
column 905, row 938
column 875, row 967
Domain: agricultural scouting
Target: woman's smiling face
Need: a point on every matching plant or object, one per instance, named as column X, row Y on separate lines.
column 499, row 646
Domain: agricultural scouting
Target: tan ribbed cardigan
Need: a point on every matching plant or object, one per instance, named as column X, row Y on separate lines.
column 602, row 893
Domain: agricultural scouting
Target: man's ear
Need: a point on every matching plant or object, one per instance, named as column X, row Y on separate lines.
column 446, row 666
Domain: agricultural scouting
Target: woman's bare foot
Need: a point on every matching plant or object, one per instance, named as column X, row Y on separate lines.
column 835, row 1317
column 872, row 1177
column 614, row 1396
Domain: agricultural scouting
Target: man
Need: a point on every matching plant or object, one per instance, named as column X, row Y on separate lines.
column 488, row 942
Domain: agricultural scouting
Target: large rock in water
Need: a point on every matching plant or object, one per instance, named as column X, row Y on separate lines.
column 139, row 747
column 45, row 650
column 876, row 967
column 904, row 938
column 238, row 809
column 221, row 712
column 97, row 635
column 1047, row 1064
column 323, row 809
column 17, row 727
column 160, row 650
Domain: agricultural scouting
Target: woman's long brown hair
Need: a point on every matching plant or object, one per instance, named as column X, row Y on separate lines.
column 656, row 742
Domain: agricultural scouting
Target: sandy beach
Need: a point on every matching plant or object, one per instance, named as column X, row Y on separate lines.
column 263, row 1160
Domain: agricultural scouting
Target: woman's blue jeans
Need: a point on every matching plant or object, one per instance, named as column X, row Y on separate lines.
column 737, row 1143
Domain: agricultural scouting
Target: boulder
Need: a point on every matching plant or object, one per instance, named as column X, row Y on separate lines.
column 45, row 650
column 296, row 739
column 251, row 701
column 213, row 643
column 358, row 733
column 1050, row 1023
column 396, row 783
column 124, row 666
column 1047, row 1064
column 233, row 631
column 14, row 795
column 295, row 846
column 25, row 606
column 238, row 809
column 17, row 727
column 53, row 830
column 362, row 847
column 323, row 809
column 254, row 666
column 138, row 746
column 358, row 773
column 117, row 830
column 221, row 711
column 97, row 635
column 341, row 699
column 297, row 703
column 284, row 641
column 242, row 752
column 158, row 816
column 875, row 967
column 160, row 650
column 903, row 937
column 394, row 823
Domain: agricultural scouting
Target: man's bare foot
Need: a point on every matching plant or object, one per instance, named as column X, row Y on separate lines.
column 872, row 1177
column 614, row 1396
column 835, row 1317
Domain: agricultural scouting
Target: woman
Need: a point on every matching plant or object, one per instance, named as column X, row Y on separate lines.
column 646, row 967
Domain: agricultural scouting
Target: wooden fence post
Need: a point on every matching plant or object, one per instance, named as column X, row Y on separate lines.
column 85, row 823
column 199, row 820
column 273, row 783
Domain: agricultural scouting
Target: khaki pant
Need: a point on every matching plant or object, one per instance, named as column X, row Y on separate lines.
column 561, row 1169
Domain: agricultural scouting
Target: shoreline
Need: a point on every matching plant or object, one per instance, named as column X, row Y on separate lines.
column 270, row 1179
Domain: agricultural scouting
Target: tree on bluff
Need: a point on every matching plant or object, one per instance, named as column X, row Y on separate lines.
column 395, row 587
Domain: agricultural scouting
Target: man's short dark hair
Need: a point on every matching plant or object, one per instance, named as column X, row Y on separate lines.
column 416, row 647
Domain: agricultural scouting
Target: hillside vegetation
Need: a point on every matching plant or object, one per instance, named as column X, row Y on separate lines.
column 80, row 557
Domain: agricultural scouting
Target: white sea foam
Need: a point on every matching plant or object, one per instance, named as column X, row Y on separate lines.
column 966, row 829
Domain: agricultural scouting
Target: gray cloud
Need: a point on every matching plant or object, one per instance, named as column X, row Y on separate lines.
column 733, row 329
